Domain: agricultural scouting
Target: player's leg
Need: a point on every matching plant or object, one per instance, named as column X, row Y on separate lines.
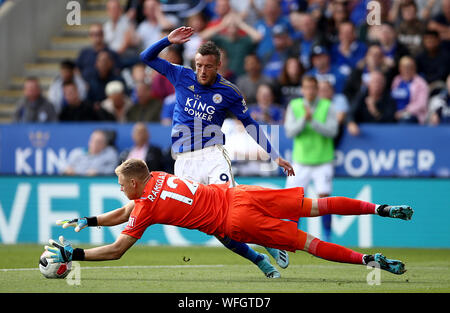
column 336, row 253
column 349, row 206
column 219, row 172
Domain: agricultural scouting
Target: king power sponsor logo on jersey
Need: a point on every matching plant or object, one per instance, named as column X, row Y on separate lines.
column 198, row 108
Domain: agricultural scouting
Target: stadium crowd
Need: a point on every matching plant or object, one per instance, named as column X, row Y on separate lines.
column 393, row 70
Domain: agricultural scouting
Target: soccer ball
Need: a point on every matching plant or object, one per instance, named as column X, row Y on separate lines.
column 53, row 270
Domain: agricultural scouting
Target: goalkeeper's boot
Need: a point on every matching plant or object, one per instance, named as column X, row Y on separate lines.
column 393, row 266
column 403, row 212
column 281, row 256
column 267, row 268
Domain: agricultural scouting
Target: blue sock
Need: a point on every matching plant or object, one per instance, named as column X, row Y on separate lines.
column 242, row 249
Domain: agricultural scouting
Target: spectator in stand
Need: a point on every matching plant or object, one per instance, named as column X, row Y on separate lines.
column 393, row 50
column 411, row 28
column 224, row 70
column 441, row 24
column 198, row 22
column 410, row 92
column 78, row 110
column 433, row 63
column 134, row 9
column 439, row 107
column 221, row 9
column 88, row 56
column 99, row 159
column 101, row 75
column 143, row 150
column 265, row 111
column 33, row 107
column 308, row 35
column 348, row 51
column 288, row 84
column 117, row 102
column 271, row 16
column 167, row 110
column 273, row 61
column 118, row 31
column 253, row 77
column 150, row 30
column 322, row 69
column 312, row 123
column 67, row 74
column 373, row 104
column 338, row 14
column 226, row 35
column 147, row 108
column 359, row 78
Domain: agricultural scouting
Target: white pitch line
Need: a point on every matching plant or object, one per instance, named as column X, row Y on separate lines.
column 117, row 267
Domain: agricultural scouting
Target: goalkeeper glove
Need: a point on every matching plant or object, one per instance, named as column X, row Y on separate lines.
column 78, row 223
column 59, row 252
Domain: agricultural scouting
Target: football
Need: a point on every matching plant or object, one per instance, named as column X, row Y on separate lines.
column 53, row 270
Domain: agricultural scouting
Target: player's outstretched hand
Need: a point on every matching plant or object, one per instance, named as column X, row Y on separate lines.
column 59, row 252
column 287, row 167
column 78, row 223
column 180, row 35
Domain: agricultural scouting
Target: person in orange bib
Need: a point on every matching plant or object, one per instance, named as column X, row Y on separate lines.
column 244, row 213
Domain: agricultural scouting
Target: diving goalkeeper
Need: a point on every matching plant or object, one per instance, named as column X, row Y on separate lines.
column 244, row 213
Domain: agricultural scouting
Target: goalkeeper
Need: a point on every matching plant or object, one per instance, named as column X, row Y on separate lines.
column 244, row 213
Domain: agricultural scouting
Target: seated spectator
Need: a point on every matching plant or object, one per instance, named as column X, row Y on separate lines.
column 411, row 28
column 322, row 69
column 283, row 48
column 147, row 108
column 265, row 111
column 439, row 108
column 99, row 159
column 227, row 37
column 87, row 57
column 307, row 36
column 410, row 92
column 271, row 17
column 441, row 23
column 134, row 9
column 78, row 110
column 143, row 150
column 373, row 61
column 393, row 50
column 198, row 22
column 117, row 102
column 149, row 31
column 372, row 105
column 66, row 74
column 102, row 74
column 118, row 32
column 288, row 84
column 433, row 64
column 33, row 107
column 224, row 70
column 253, row 77
column 338, row 14
column 348, row 51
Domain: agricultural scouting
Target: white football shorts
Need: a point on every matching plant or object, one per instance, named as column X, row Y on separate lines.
column 321, row 175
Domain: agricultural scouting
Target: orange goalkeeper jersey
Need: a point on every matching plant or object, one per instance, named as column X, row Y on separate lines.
column 170, row 200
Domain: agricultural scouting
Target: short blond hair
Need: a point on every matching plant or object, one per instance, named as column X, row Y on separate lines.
column 133, row 168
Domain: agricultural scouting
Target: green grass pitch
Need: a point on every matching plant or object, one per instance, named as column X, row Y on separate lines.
column 217, row 270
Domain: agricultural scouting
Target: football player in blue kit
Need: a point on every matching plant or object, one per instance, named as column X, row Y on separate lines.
column 203, row 99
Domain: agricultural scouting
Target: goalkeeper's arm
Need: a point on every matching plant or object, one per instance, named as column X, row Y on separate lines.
column 112, row 218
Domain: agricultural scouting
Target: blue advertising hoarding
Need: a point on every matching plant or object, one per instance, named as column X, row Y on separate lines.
column 387, row 150
column 29, row 207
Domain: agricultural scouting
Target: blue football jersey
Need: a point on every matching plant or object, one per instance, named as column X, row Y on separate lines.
column 200, row 110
